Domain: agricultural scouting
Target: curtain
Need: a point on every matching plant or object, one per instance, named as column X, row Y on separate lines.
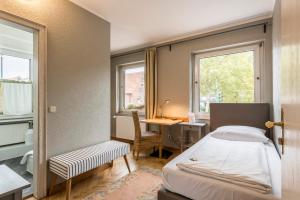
column 1, row 98
column 151, row 82
column 17, row 98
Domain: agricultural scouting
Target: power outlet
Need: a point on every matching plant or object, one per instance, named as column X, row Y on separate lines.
column 52, row 109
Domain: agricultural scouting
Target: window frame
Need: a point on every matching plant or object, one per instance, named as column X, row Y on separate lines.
column 258, row 63
column 120, row 108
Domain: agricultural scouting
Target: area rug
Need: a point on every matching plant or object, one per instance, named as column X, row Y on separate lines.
column 142, row 184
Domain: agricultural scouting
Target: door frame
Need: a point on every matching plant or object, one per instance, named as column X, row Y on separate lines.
column 40, row 108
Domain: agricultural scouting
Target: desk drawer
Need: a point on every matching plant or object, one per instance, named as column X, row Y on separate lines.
column 191, row 128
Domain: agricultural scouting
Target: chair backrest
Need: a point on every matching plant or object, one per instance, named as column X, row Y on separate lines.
column 137, row 126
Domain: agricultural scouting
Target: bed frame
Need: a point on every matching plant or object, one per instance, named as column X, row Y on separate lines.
column 247, row 114
column 221, row 114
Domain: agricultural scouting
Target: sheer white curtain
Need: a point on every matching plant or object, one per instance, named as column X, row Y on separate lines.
column 17, row 98
column 151, row 83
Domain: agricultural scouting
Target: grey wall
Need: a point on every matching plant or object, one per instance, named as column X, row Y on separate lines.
column 78, row 71
column 174, row 68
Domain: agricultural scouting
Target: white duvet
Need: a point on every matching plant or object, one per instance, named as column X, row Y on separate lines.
column 241, row 163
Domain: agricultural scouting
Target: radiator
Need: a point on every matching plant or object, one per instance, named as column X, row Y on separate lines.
column 12, row 133
column 125, row 127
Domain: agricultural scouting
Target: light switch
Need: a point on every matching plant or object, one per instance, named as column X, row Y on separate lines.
column 52, row 109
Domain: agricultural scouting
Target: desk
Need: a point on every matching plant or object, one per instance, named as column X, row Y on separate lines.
column 186, row 127
column 11, row 184
column 161, row 123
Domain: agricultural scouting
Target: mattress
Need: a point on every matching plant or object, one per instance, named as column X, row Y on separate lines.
column 203, row 188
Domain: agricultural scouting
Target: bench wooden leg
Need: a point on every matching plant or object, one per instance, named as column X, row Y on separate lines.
column 52, row 183
column 111, row 164
column 68, row 189
column 127, row 164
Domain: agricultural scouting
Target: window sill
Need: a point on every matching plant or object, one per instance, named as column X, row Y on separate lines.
column 15, row 121
column 122, row 114
column 15, row 118
column 127, row 114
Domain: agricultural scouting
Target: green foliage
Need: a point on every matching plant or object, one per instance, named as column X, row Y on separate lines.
column 133, row 107
column 227, row 79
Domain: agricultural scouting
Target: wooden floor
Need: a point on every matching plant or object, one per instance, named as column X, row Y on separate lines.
column 91, row 184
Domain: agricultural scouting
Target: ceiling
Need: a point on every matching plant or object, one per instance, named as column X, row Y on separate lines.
column 139, row 23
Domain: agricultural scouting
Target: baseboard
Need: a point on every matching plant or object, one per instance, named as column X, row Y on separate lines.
column 173, row 149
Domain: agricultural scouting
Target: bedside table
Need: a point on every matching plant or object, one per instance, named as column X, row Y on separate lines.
column 186, row 128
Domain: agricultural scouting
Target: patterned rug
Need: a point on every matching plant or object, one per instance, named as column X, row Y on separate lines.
column 142, row 184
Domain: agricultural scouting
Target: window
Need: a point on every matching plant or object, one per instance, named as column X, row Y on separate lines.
column 132, row 87
column 227, row 76
column 15, row 68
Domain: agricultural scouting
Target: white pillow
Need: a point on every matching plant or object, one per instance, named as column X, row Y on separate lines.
column 240, row 133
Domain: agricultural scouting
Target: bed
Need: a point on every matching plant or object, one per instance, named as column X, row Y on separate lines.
column 182, row 185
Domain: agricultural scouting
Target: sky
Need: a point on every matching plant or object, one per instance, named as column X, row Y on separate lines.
column 15, row 67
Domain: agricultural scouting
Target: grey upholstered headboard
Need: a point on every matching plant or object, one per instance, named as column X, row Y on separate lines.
column 247, row 114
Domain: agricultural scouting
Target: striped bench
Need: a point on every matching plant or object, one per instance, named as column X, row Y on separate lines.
column 77, row 162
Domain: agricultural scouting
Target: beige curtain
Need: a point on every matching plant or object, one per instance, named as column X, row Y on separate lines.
column 151, row 82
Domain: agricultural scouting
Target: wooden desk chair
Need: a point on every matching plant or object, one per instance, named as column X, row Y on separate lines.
column 143, row 140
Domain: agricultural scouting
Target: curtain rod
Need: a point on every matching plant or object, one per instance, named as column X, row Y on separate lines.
column 264, row 24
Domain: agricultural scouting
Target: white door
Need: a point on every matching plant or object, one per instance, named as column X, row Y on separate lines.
column 290, row 97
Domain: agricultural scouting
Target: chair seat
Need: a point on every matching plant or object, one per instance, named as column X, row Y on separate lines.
column 144, row 140
column 149, row 134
